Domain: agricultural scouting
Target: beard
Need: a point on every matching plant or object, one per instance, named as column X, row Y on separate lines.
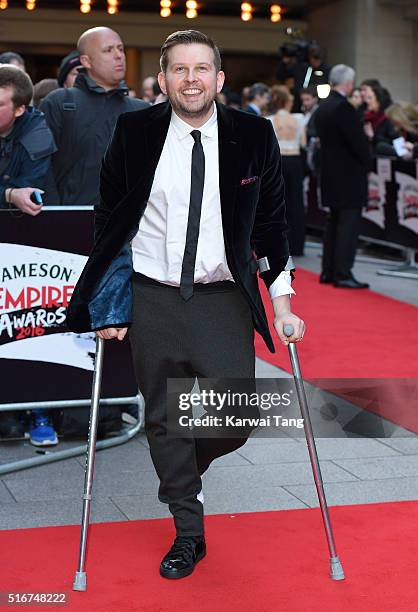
column 194, row 109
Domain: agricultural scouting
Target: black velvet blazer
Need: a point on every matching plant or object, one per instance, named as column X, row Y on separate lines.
column 252, row 207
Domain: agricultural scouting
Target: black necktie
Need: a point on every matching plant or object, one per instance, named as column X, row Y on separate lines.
column 193, row 223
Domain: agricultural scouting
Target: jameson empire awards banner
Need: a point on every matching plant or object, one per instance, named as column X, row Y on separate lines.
column 35, row 288
column 407, row 201
column 41, row 259
column 374, row 211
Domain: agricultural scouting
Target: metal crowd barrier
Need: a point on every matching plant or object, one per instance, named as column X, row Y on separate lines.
column 43, row 365
column 391, row 216
column 50, row 456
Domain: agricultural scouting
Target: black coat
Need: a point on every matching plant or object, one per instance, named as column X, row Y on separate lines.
column 82, row 119
column 344, row 153
column 252, row 208
column 385, row 132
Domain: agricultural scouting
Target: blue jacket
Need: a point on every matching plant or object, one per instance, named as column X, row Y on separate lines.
column 28, row 148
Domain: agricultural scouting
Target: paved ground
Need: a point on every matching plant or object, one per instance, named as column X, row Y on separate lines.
column 265, row 474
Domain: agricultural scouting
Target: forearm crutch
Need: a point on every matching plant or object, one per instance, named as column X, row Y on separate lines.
column 337, row 572
column 80, row 581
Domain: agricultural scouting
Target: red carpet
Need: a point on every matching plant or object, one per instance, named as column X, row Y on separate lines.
column 256, row 563
column 355, row 335
column 350, row 334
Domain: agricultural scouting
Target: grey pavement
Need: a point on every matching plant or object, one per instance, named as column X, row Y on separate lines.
column 266, row 474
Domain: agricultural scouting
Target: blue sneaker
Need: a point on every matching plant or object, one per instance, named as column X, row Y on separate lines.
column 41, row 432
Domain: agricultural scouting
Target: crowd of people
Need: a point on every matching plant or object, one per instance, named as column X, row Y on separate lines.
column 53, row 136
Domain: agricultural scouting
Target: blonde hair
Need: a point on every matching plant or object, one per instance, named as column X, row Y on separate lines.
column 280, row 97
column 398, row 115
column 410, row 110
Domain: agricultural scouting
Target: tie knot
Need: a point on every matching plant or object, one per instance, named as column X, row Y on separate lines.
column 196, row 135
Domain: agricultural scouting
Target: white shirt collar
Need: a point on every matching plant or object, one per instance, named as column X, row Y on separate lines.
column 183, row 129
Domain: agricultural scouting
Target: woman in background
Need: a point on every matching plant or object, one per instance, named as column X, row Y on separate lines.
column 406, row 128
column 355, row 99
column 290, row 131
column 378, row 127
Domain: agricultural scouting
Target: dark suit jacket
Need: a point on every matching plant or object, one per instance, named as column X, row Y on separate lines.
column 344, row 154
column 253, row 212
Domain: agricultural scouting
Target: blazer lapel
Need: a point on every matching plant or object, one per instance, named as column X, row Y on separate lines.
column 229, row 158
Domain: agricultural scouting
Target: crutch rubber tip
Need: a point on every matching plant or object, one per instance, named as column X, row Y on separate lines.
column 80, row 581
column 337, row 572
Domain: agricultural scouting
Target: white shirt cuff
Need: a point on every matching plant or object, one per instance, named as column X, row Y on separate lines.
column 282, row 285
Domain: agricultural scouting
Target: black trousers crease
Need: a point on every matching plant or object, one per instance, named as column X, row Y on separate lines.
column 209, row 336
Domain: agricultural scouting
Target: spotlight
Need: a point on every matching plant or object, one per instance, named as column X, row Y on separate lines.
column 323, row 90
column 30, row 5
column 191, row 6
column 85, row 6
column 276, row 13
column 3, row 5
column 165, row 8
column 246, row 11
column 112, row 7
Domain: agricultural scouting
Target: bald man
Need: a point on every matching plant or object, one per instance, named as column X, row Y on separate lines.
column 82, row 117
column 150, row 89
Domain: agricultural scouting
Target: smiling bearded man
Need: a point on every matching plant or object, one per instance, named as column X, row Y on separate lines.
column 191, row 77
column 190, row 190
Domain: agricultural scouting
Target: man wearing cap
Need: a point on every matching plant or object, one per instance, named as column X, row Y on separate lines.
column 68, row 69
column 82, row 117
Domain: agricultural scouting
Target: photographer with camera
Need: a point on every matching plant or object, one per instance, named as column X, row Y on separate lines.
column 302, row 65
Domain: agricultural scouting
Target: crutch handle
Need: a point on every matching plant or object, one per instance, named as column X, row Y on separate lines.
column 288, row 330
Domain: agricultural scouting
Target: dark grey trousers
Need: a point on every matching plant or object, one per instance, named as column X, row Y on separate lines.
column 209, row 336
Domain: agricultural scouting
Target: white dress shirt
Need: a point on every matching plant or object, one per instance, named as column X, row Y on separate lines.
column 158, row 246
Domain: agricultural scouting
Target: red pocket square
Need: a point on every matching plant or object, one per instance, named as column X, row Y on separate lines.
column 251, row 179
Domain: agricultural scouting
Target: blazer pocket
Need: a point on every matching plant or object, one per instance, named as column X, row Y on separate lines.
column 251, row 185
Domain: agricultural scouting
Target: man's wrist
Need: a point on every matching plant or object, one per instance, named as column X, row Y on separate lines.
column 281, row 305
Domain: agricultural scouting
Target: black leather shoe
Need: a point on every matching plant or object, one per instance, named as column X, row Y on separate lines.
column 182, row 557
column 350, row 283
column 325, row 278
